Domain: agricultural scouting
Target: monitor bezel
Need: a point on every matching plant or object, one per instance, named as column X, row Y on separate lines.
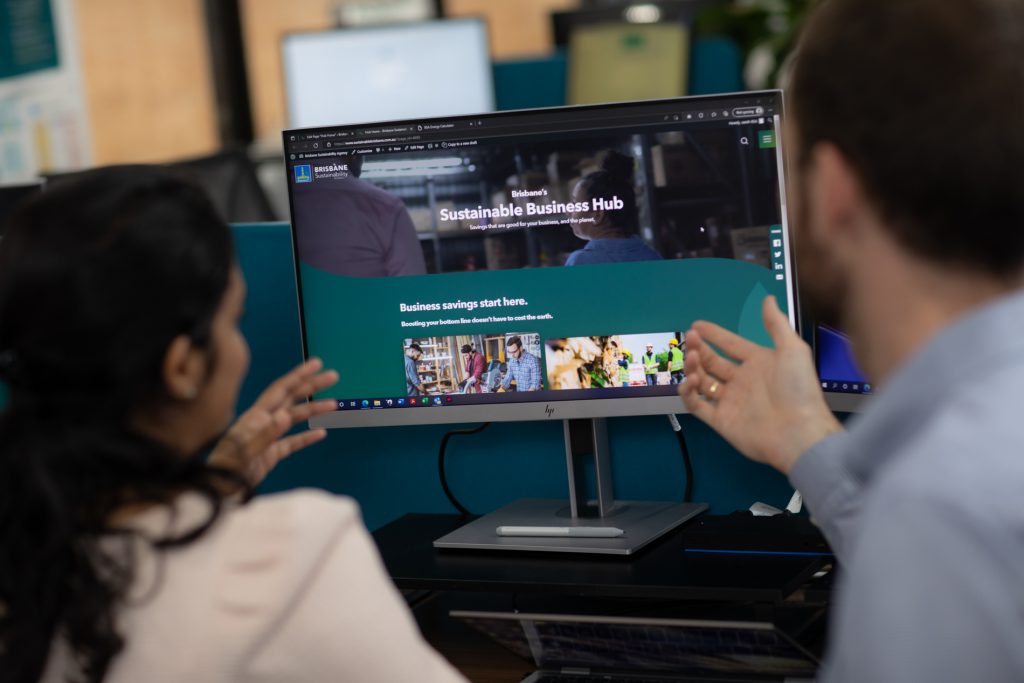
column 551, row 408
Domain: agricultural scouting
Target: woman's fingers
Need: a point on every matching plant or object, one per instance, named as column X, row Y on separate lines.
column 303, row 411
column 261, row 430
column 313, row 385
column 288, row 387
column 257, row 441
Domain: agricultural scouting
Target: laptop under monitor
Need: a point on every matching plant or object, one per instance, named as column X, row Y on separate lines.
column 577, row 649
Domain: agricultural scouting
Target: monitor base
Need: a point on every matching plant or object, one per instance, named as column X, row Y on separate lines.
column 642, row 522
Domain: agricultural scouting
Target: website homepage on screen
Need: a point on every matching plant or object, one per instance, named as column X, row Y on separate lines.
column 535, row 256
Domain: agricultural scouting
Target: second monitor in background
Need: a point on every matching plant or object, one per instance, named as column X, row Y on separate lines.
column 382, row 73
column 845, row 386
column 620, row 62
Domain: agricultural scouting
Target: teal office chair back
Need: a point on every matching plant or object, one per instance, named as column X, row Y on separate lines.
column 716, row 65
column 530, row 83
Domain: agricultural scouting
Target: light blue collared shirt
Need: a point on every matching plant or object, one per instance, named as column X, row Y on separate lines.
column 922, row 498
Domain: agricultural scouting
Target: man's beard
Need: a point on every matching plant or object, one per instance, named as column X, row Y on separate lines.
column 822, row 287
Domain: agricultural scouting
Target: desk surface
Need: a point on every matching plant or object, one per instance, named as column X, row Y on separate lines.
column 665, row 569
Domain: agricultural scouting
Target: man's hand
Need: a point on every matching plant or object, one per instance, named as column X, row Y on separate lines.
column 765, row 402
column 255, row 443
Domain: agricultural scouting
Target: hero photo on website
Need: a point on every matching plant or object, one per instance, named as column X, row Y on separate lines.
column 538, row 255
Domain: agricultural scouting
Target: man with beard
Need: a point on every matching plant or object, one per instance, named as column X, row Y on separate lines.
column 907, row 141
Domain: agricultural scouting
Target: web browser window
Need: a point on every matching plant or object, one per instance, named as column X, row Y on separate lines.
column 536, row 256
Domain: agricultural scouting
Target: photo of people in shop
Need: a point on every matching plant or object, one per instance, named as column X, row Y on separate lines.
column 572, row 199
column 473, row 364
column 626, row 360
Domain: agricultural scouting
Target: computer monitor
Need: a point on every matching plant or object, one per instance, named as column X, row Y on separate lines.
column 844, row 384
column 534, row 265
column 563, row 24
column 622, row 61
column 356, row 75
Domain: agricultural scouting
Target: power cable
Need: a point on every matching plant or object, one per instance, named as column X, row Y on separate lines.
column 687, row 464
column 441, row 469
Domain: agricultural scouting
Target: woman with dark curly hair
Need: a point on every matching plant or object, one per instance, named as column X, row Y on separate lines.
column 126, row 555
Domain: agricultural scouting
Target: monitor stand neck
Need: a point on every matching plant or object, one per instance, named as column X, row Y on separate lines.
column 588, row 439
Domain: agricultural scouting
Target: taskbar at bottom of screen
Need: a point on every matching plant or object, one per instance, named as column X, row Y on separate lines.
column 845, row 386
column 460, row 399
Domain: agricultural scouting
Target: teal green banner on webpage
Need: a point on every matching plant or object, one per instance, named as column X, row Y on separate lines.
column 358, row 325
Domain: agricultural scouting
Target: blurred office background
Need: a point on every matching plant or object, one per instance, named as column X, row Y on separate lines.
column 94, row 82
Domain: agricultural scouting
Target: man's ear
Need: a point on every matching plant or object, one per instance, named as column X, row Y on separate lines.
column 837, row 196
column 184, row 368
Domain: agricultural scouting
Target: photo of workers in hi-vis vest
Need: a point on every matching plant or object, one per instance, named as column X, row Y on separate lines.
column 607, row 362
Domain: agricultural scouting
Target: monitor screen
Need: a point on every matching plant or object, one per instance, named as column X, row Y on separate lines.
column 355, row 75
column 540, row 264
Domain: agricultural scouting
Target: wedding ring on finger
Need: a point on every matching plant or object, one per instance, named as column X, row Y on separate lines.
column 711, row 395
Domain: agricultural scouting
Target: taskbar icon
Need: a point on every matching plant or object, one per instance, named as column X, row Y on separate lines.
column 846, row 387
column 394, row 402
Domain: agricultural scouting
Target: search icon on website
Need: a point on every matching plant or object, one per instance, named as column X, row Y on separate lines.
column 744, row 140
